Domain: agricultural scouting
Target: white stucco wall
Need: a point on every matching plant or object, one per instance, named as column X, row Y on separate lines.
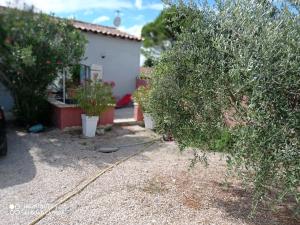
column 120, row 63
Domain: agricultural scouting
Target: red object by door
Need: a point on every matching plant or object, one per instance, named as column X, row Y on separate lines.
column 124, row 101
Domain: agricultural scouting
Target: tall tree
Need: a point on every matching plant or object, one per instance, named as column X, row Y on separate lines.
column 161, row 34
column 231, row 83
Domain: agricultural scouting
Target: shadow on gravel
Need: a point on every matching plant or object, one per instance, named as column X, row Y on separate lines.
column 67, row 149
column 18, row 166
column 201, row 193
column 71, row 149
column 236, row 201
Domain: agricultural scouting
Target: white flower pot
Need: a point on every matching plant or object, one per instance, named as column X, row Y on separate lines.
column 149, row 122
column 89, row 125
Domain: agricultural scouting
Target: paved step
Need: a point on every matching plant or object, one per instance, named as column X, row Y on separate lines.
column 127, row 122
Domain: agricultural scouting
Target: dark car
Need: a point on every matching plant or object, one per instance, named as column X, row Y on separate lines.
column 3, row 141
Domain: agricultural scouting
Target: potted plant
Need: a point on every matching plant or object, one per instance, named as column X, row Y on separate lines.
column 141, row 99
column 93, row 98
column 137, row 103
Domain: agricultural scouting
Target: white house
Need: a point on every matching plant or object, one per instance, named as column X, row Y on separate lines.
column 116, row 52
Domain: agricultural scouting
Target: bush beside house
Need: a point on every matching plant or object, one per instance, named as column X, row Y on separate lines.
column 35, row 47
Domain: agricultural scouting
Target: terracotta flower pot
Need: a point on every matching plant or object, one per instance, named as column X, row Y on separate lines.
column 138, row 113
column 107, row 117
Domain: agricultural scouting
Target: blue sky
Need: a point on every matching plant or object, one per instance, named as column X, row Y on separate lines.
column 134, row 13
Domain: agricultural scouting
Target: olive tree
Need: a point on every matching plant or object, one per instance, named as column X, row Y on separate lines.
column 35, row 47
column 238, row 58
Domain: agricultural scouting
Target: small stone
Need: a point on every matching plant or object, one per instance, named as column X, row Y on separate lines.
column 100, row 131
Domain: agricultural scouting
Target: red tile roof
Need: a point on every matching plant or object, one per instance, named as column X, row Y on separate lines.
column 98, row 29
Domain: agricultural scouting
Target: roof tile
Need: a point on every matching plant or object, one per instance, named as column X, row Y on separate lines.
column 110, row 31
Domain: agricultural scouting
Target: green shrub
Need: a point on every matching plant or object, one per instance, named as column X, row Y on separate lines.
column 141, row 97
column 237, row 49
column 35, row 48
column 95, row 97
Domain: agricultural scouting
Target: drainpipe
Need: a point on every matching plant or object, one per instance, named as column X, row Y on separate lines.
column 64, row 86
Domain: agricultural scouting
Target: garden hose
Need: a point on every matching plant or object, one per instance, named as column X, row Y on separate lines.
column 93, row 178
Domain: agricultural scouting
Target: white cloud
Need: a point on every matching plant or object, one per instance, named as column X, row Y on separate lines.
column 71, row 6
column 101, row 19
column 156, row 6
column 134, row 30
column 68, row 6
column 138, row 4
column 88, row 12
column 72, row 16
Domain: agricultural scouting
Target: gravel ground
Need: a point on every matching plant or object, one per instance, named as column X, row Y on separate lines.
column 154, row 187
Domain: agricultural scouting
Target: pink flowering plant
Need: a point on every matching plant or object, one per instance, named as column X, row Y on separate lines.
column 95, row 97
column 141, row 97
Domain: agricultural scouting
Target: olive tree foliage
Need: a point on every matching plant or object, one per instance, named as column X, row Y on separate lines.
column 160, row 34
column 35, row 47
column 240, row 58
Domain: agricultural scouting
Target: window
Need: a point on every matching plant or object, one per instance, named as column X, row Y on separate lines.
column 85, row 73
